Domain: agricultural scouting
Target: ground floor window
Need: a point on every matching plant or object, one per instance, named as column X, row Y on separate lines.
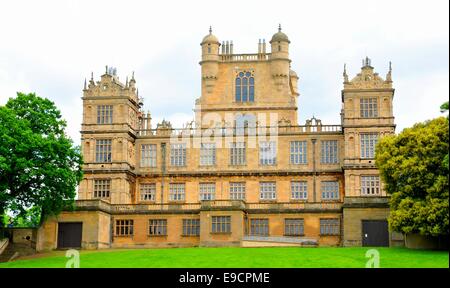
column 191, row 227
column 157, row 227
column 259, row 227
column 329, row 227
column 221, row 224
column 124, row 227
column 294, row 227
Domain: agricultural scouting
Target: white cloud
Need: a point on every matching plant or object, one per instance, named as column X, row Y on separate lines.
column 50, row 47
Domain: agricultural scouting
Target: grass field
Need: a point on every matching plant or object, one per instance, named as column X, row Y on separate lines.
column 240, row 257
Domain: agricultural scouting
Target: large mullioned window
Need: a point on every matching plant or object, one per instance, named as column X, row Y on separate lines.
column 294, row 227
column 368, row 107
column 259, row 227
column 237, row 153
column 177, row 191
column 147, row 191
column 178, row 154
column 157, row 227
column 299, row 190
column 298, row 152
column 267, row 190
column 329, row 152
column 237, row 190
column 148, row 155
column 368, row 143
column 267, row 153
column 370, row 185
column 207, row 191
column 208, row 154
column 191, row 227
column 104, row 114
column 330, row 190
column 102, row 188
column 103, row 149
column 124, row 227
column 245, row 87
column 221, row 224
column 329, row 227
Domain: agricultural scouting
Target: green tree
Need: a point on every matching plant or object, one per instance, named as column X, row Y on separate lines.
column 40, row 167
column 415, row 175
column 444, row 108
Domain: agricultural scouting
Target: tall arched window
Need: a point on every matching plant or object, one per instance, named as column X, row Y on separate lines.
column 245, row 87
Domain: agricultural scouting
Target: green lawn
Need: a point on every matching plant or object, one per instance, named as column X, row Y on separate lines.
column 241, row 257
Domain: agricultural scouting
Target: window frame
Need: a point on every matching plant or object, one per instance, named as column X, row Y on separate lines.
column 368, row 107
column 149, row 156
column 237, row 189
column 221, row 224
column 259, row 227
column 102, row 186
column 298, row 152
column 367, row 144
column 208, row 154
column 329, row 152
column 303, row 190
column 152, row 194
column 157, row 225
column 288, row 227
column 103, row 150
column 190, row 227
column 263, row 185
column 329, row 227
column 205, row 189
column 178, row 154
column 123, row 225
column 267, row 153
column 177, row 191
column 105, row 114
column 326, row 185
column 370, row 182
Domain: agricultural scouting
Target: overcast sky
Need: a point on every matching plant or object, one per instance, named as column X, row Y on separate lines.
column 49, row 47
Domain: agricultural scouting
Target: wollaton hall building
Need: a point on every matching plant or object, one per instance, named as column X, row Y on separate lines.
column 243, row 173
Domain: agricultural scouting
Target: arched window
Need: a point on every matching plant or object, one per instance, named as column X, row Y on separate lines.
column 245, row 87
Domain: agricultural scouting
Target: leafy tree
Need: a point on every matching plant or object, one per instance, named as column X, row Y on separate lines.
column 39, row 165
column 444, row 108
column 412, row 168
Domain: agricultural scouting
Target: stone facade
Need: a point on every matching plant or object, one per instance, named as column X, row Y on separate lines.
column 136, row 171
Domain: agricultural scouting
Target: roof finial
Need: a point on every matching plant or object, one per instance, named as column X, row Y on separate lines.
column 84, row 83
column 92, row 76
column 279, row 27
column 345, row 73
column 210, row 29
column 389, row 74
column 106, row 69
column 132, row 76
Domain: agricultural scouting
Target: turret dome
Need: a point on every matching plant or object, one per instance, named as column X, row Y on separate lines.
column 280, row 36
column 210, row 38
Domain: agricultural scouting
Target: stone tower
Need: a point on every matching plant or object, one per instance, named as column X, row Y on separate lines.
column 367, row 115
column 111, row 116
column 257, row 87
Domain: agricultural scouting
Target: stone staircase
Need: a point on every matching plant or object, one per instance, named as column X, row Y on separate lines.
column 15, row 250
